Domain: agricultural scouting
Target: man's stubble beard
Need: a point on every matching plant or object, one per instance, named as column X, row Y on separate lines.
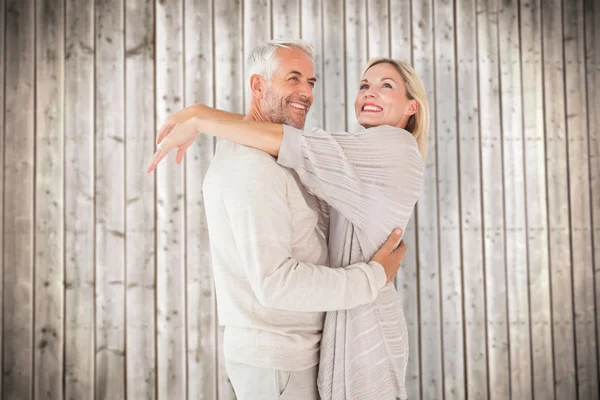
column 276, row 109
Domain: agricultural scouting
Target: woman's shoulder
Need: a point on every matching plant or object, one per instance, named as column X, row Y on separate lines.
column 388, row 130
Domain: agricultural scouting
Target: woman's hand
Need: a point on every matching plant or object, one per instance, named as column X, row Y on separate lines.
column 179, row 135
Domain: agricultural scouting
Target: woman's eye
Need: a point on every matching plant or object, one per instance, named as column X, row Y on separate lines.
column 362, row 87
column 387, row 85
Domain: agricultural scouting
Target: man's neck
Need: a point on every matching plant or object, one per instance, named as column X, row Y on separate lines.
column 255, row 114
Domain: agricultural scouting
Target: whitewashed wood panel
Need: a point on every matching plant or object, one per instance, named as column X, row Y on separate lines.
column 79, row 200
column 592, row 63
column 110, row 200
column 201, row 311
column 95, row 113
column 19, row 188
column 285, row 15
column 355, row 56
column 432, row 380
column 537, row 214
column 579, row 202
column 558, row 201
column 170, row 210
column 140, row 222
column 49, row 195
column 476, row 368
column 445, row 111
column 257, row 28
column 311, row 16
column 379, row 22
column 517, row 276
column 2, row 133
column 229, row 79
column 334, row 79
column 493, row 207
column 407, row 282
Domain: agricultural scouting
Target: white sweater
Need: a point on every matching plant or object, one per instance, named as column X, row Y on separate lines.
column 268, row 260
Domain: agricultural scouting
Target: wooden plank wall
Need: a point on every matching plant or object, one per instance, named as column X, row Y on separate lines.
column 106, row 281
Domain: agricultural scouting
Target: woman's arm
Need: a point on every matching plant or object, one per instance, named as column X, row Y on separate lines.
column 197, row 110
column 373, row 178
column 265, row 136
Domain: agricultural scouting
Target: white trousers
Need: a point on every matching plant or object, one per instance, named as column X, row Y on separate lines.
column 254, row 383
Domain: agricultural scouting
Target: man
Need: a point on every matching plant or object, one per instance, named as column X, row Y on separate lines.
column 269, row 257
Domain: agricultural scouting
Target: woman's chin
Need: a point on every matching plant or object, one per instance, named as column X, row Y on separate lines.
column 370, row 121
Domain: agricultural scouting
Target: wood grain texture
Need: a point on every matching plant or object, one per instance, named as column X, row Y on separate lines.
column 432, row 381
column 285, row 15
column 407, row 281
column 355, row 56
column 140, row 223
column 107, row 287
column 257, row 29
column 445, row 109
column 537, row 212
column 229, row 64
column 334, row 77
column 110, row 200
column 201, row 301
column 311, row 15
column 579, row 202
column 49, row 208
column 475, row 334
column 79, row 200
column 517, row 276
column 493, row 194
column 558, row 201
column 170, row 211
column 19, row 201
column 592, row 64
column 2, row 134
column 378, row 28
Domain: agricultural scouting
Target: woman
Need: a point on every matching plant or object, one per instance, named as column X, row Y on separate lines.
column 371, row 180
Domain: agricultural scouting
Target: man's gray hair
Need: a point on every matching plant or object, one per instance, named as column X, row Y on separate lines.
column 263, row 61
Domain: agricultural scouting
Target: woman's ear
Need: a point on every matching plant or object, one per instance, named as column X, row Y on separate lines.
column 412, row 108
column 257, row 86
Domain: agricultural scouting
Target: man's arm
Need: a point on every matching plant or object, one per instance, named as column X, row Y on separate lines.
column 256, row 204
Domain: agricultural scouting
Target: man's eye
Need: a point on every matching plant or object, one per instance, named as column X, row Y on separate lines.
column 295, row 78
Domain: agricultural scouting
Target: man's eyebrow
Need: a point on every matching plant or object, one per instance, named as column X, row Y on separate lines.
column 294, row 72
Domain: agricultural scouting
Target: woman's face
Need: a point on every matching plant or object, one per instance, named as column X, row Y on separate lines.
column 382, row 99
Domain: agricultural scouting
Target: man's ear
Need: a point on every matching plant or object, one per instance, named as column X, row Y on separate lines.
column 257, row 86
column 412, row 108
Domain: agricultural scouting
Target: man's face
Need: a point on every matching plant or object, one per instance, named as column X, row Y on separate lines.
column 288, row 95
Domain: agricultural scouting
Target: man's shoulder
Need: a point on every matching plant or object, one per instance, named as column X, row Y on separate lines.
column 243, row 166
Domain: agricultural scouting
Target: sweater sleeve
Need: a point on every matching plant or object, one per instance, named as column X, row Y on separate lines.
column 262, row 228
column 373, row 178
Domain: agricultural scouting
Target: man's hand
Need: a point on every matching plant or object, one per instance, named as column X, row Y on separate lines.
column 390, row 255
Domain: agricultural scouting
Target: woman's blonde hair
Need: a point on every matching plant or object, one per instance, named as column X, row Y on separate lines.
column 418, row 124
